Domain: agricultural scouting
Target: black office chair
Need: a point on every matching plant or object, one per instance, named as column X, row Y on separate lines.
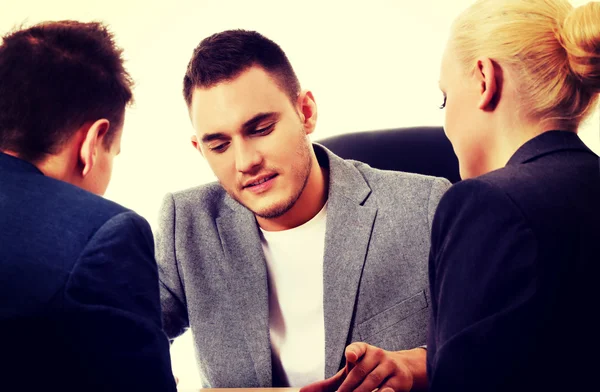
column 423, row 150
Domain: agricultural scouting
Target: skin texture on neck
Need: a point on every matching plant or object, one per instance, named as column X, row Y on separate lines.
column 82, row 160
column 59, row 166
column 506, row 141
column 508, row 133
column 63, row 165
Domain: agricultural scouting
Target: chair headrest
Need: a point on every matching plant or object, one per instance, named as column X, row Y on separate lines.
column 422, row 150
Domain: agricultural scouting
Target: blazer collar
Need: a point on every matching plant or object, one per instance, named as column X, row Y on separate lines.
column 547, row 143
column 8, row 162
column 344, row 178
column 350, row 219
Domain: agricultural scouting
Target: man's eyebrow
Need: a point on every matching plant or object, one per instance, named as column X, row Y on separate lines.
column 213, row 136
column 254, row 121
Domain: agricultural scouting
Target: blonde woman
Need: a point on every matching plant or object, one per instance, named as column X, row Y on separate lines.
column 516, row 246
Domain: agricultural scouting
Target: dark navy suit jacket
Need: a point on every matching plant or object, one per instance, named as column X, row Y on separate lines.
column 79, row 295
column 514, row 274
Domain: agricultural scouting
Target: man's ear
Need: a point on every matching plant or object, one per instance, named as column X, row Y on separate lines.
column 93, row 136
column 487, row 76
column 196, row 144
column 307, row 110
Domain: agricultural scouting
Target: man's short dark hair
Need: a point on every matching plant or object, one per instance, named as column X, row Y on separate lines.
column 223, row 56
column 55, row 77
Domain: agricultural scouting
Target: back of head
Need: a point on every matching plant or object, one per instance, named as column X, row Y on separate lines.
column 551, row 48
column 55, row 77
column 225, row 55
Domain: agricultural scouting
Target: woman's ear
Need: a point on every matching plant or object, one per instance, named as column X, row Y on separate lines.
column 487, row 75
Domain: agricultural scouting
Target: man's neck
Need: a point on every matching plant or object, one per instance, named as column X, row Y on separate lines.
column 11, row 153
column 55, row 166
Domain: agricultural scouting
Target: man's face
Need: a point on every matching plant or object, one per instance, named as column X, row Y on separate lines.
column 254, row 141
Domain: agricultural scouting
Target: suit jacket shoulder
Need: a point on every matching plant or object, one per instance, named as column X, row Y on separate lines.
column 78, row 286
column 413, row 193
column 209, row 198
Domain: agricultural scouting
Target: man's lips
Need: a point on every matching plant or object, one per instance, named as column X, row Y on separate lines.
column 258, row 180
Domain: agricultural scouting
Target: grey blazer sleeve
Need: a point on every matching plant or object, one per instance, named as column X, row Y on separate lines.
column 172, row 295
column 438, row 189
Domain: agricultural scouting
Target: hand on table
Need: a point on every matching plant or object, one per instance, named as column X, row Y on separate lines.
column 369, row 367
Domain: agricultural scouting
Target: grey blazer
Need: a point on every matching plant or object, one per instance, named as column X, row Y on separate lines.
column 214, row 279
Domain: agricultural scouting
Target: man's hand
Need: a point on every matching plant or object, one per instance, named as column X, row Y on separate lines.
column 368, row 368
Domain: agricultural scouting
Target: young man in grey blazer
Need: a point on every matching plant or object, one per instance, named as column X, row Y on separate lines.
column 297, row 266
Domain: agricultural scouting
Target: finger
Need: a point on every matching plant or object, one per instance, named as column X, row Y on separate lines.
column 363, row 367
column 395, row 387
column 329, row 385
column 399, row 382
column 355, row 351
column 376, row 378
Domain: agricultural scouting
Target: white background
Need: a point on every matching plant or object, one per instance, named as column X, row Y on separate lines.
column 370, row 64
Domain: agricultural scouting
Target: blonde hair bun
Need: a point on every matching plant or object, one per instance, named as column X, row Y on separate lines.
column 580, row 36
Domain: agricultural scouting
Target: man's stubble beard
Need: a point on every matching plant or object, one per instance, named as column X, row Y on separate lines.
column 302, row 174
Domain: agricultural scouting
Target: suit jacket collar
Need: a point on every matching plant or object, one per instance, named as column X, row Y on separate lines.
column 547, row 143
column 348, row 232
column 11, row 163
column 344, row 178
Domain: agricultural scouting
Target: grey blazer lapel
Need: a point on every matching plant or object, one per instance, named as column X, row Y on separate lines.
column 349, row 227
column 247, row 279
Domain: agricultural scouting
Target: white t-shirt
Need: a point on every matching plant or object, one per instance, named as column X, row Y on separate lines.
column 296, row 320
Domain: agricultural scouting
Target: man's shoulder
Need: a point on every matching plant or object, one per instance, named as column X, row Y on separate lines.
column 51, row 198
column 55, row 222
column 210, row 193
column 208, row 199
column 92, row 208
column 400, row 183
